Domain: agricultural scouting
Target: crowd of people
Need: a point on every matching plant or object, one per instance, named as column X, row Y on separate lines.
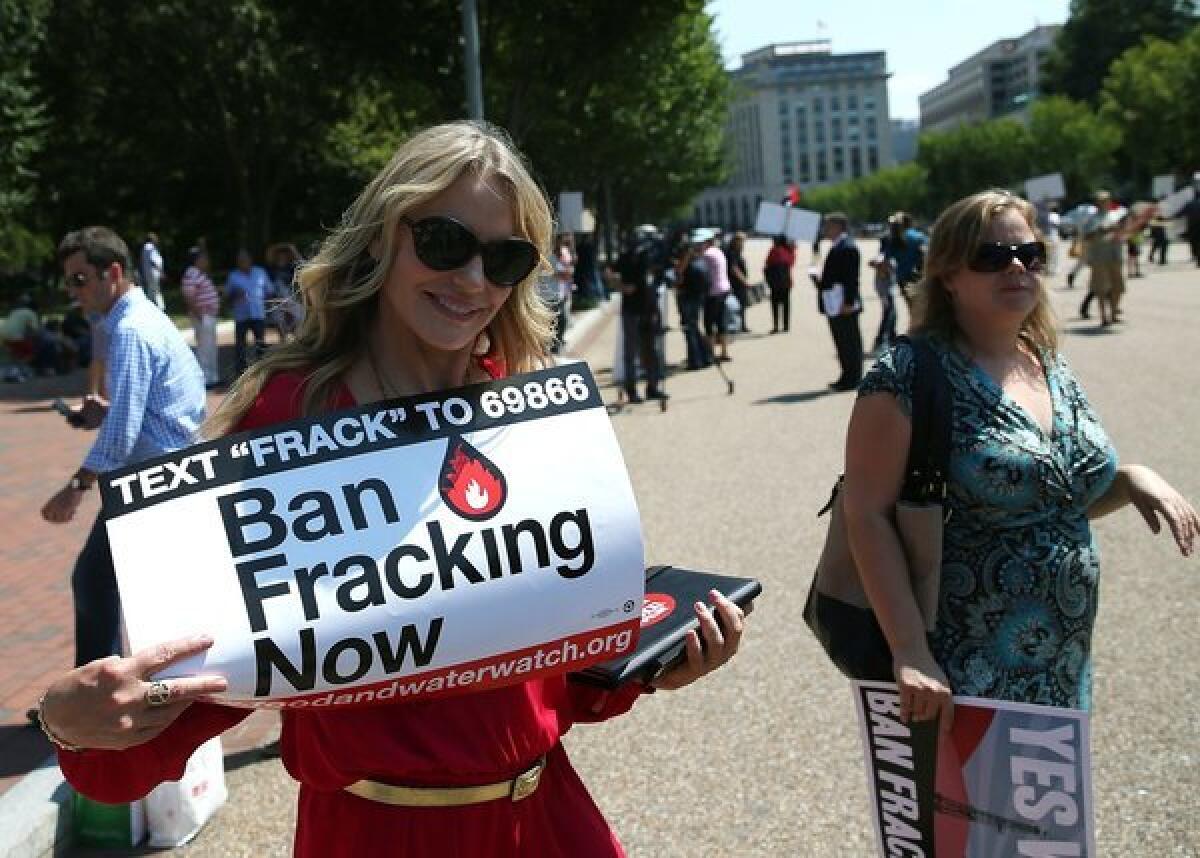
column 254, row 296
column 444, row 272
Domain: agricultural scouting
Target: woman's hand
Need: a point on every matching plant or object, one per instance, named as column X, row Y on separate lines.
column 720, row 643
column 110, row 703
column 924, row 689
column 1153, row 496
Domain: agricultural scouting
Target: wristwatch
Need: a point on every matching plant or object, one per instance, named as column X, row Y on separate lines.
column 79, row 485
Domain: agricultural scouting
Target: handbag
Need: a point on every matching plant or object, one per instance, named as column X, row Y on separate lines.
column 837, row 610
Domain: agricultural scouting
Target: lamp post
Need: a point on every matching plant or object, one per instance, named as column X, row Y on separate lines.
column 471, row 60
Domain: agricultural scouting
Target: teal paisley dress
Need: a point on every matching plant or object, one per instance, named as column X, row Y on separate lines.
column 1019, row 566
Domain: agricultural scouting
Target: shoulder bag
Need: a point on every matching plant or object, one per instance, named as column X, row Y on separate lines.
column 837, row 610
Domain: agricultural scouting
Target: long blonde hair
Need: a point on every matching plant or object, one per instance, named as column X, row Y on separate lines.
column 340, row 285
column 956, row 235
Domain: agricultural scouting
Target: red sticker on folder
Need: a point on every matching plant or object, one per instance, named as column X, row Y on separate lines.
column 656, row 607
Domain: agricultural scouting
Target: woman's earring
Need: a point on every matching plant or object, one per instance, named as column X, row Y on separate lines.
column 483, row 344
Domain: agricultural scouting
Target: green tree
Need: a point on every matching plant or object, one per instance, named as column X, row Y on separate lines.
column 970, row 158
column 874, row 197
column 22, row 131
column 242, row 120
column 1098, row 31
column 1151, row 94
column 626, row 95
column 1069, row 137
column 251, row 120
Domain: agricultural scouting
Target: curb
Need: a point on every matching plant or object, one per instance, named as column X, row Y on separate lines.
column 35, row 814
column 584, row 326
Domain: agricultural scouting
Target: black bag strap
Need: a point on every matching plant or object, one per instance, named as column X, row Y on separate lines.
column 927, row 468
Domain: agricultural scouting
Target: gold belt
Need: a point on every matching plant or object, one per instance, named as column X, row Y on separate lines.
column 522, row 786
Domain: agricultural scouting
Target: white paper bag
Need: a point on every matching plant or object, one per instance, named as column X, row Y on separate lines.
column 177, row 810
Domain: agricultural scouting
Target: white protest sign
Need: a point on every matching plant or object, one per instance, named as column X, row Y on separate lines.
column 770, row 219
column 570, row 212
column 1007, row 779
column 1162, row 186
column 443, row 543
column 798, row 224
column 1171, row 205
column 1042, row 188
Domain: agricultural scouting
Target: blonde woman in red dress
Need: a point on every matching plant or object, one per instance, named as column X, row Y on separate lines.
column 428, row 284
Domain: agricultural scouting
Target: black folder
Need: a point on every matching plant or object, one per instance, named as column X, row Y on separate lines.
column 664, row 630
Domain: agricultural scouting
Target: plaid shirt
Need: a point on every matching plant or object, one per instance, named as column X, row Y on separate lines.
column 155, row 387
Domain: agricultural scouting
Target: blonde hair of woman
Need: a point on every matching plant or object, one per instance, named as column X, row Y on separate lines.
column 340, row 286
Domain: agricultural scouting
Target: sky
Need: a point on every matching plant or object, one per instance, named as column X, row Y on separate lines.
column 922, row 38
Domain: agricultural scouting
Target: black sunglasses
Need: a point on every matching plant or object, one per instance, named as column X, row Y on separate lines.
column 443, row 244
column 994, row 256
column 78, row 280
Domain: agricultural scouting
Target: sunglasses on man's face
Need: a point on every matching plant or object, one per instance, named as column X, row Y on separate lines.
column 995, row 256
column 80, row 279
column 443, row 244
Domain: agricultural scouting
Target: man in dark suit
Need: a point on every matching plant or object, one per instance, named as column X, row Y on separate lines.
column 838, row 299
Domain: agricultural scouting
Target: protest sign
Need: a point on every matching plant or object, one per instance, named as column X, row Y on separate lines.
column 1171, row 205
column 1045, row 188
column 796, row 224
column 448, row 542
column 1161, row 186
column 570, row 212
column 1010, row 779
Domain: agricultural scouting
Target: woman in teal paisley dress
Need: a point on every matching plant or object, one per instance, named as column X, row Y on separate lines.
column 1030, row 465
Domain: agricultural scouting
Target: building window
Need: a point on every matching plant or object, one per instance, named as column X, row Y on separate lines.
column 852, row 101
column 839, row 164
column 872, row 159
column 805, row 173
column 783, row 108
column 818, row 105
column 819, row 132
column 822, row 173
column 868, row 103
column 835, row 104
column 870, row 127
column 835, row 128
column 855, row 162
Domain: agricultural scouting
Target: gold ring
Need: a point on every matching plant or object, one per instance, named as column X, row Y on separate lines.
column 158, row 694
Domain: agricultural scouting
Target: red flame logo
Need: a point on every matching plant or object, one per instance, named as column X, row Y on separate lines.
column 471, row 485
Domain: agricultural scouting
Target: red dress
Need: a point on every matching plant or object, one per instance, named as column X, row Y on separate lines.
column 460, row 741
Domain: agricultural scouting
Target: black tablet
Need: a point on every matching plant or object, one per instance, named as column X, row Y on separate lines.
column 667, row 617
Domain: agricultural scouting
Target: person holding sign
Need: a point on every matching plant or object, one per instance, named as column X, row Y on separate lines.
column 1030, row 466
column 427, row 285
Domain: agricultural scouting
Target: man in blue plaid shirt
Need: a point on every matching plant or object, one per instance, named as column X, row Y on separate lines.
column 155, row 405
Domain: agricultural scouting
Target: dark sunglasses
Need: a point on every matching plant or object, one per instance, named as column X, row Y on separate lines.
column 994, row 256
column 443, row 244
column 78, row 280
